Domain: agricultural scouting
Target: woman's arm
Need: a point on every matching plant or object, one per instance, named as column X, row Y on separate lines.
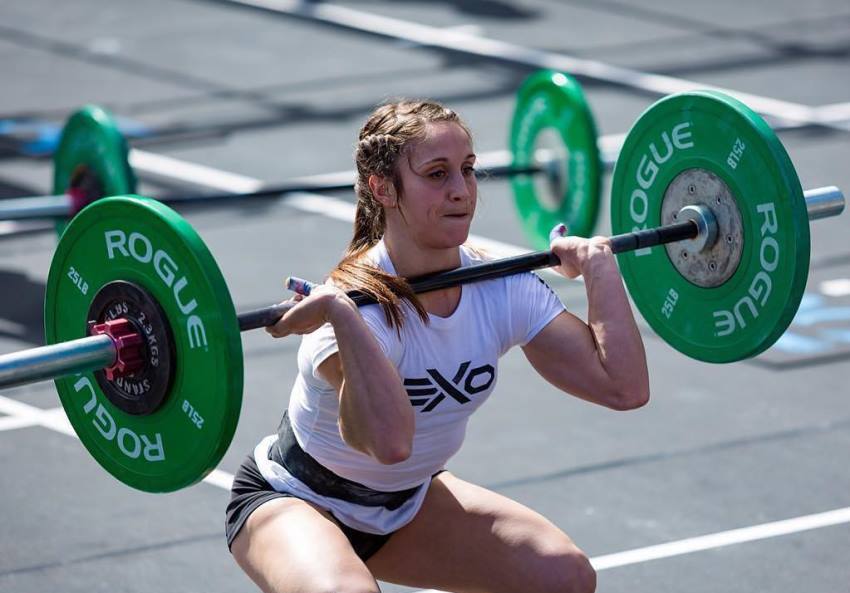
column 603, row 360
column 375, row 416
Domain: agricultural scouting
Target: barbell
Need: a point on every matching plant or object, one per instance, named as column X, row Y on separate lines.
column 555, row 164
column 91, row 162
column 144, row 340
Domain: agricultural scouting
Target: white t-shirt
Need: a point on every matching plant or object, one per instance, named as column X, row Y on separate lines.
column 449, row 368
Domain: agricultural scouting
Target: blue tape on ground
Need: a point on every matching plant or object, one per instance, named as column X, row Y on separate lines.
column 40, row 138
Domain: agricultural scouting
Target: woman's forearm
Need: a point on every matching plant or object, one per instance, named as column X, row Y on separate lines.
column 375, row 415
column 610, row 319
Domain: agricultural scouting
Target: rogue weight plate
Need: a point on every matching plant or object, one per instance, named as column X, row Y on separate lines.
column 143, row 242
column 713, row 145
column 553, row 120
column 91, row 161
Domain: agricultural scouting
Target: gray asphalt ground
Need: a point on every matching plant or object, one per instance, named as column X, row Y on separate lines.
column 719, row 448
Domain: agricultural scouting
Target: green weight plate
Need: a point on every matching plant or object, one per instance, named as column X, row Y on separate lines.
column 91, row 159
column 146, row 243
column 552, row 116
column 711, row 140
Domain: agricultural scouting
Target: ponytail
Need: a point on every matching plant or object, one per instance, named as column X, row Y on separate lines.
column 386, row 134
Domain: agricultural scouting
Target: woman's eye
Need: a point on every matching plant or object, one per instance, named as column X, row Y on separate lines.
column 437, row 174
column 469, row 170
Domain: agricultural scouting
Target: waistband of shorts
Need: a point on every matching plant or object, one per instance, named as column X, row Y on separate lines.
column 288, row 453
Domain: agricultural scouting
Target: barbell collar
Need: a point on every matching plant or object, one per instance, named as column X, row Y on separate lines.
column 706, row 222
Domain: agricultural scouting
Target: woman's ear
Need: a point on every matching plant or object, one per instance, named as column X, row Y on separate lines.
column 384, row 190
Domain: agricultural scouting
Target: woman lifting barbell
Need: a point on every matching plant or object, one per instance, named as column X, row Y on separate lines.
column 352, row 489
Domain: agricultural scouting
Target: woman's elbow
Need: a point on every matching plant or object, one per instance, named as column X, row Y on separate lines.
column 395, row 441
column 392, row 453
column 630, row 399
column 387, row 446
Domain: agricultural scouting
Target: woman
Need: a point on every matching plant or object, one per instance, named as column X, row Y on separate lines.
column 351, row 489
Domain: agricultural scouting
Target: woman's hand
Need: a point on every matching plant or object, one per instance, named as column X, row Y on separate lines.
column 576, row 253
column 310, row 313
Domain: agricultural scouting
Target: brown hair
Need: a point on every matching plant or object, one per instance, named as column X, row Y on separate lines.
column 390, row 130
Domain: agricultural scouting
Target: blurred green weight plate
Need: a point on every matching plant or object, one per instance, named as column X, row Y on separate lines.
column 91, row 160
column 553, row 117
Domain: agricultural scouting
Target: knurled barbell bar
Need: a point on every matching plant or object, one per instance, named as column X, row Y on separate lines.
column 155, row 394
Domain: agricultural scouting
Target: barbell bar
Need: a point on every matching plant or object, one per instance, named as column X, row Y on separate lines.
column 91, row 162
column 67, row 205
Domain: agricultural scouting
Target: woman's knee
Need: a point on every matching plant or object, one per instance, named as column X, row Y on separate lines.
column 571, row 573
column 345, row 583
column 336, row 579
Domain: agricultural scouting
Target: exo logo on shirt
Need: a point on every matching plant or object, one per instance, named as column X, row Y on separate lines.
column 431, row 390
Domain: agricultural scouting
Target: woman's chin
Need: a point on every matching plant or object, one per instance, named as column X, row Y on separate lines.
column 456, row 238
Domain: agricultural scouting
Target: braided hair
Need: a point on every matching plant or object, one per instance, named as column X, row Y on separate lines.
column 388, row 132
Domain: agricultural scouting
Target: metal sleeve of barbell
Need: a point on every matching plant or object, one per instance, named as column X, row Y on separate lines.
column 654, row 236
column 56, row 360
column 823, row 202
column 58, row 206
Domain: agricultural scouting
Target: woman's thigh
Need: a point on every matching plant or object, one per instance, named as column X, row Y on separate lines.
column 468, row 539
column 288, row 545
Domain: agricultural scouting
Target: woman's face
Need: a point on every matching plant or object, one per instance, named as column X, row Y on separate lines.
column 439, row 187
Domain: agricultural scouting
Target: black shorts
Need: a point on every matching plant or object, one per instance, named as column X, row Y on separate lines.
column 250, row 490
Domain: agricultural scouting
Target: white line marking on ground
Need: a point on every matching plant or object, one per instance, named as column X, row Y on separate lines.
column 200, row 175
column 723, row 538
column 160, row 165
column 13, row 422
column 787, row 113
column 836, row 288
column 835, row 113
column 56, row 420
column 9, row 327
